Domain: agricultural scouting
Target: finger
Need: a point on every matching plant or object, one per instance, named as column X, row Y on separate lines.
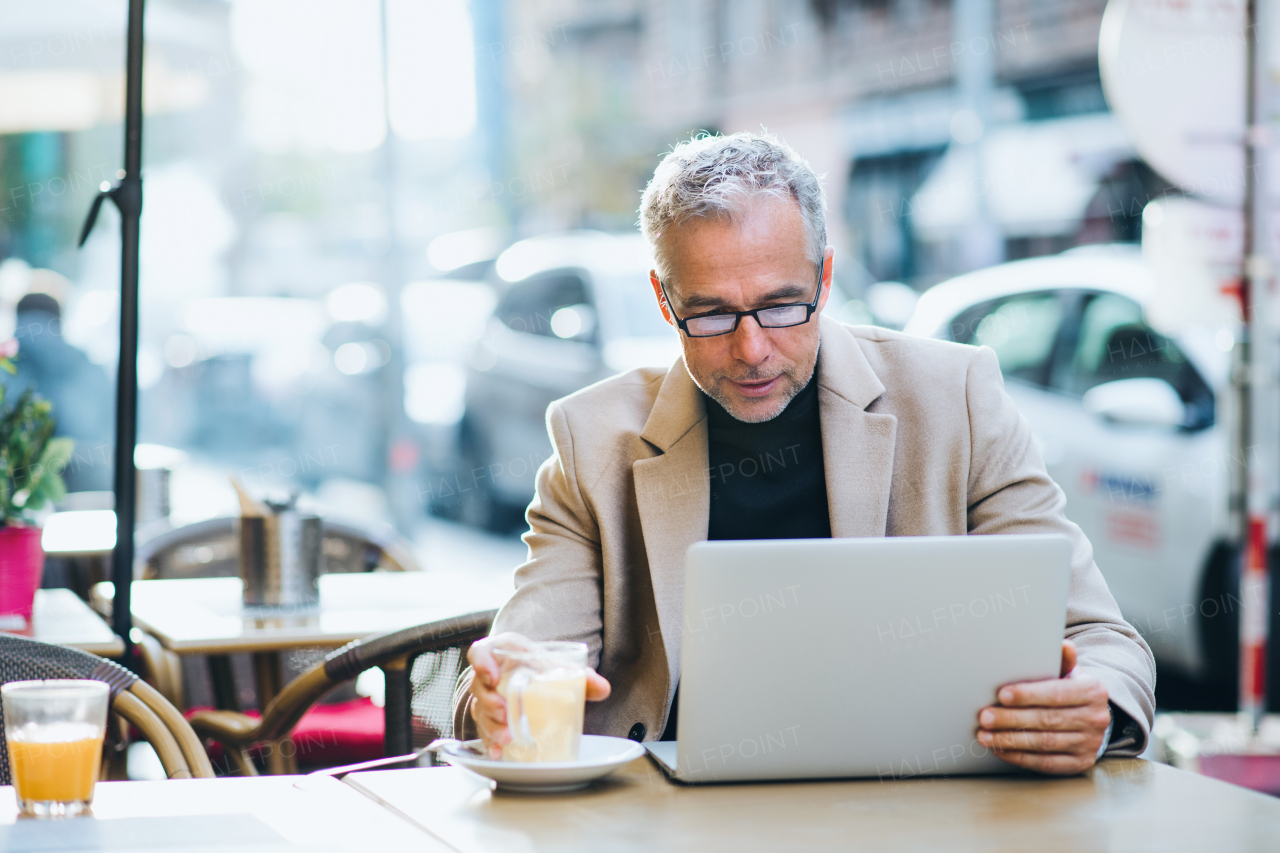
column 495, row 741
column 1073, row 690
column 493, row 734
column 488, row 717
column 1053, row 763
column 598, row 687
column 1034, row 741
column 493, row 707
column 481, row 658
column 1068, row 658
column 1074, row 718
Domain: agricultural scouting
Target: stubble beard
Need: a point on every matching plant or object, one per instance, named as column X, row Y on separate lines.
column 714, row 387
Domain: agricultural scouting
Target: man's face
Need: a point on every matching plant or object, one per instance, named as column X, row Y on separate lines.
column 757, row 260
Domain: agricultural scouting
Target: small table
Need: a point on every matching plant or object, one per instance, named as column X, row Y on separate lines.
column 1122, row 804
column 60, row 617
column 206, row 616
column 270, row 813
column 78, row 545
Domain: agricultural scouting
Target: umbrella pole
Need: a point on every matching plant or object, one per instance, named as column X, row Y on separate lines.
column 1259, row 410
column 128, row 197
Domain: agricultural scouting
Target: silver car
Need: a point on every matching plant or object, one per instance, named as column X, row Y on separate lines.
column 1131, row 426
column 572, row 309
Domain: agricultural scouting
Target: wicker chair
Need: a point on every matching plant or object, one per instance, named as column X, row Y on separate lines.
column 180, row 751
column 421, row 665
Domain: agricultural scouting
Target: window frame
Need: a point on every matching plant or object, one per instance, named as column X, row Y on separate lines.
column 989, row 306
column 1063, row 366
column 544, row 329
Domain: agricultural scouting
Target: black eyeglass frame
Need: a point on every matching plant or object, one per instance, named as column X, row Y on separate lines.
column 753, row 313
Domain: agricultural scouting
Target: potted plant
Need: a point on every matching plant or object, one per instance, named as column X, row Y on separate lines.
column 32, row 461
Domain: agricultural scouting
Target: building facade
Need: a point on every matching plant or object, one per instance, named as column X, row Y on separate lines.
column 951, row 134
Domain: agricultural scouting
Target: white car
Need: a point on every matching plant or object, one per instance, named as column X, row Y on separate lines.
column 1131, row 426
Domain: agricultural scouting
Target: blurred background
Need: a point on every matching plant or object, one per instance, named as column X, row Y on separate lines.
column 379, row 237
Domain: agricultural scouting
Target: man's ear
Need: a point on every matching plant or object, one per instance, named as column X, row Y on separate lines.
column 662, row 302
column 828, row 268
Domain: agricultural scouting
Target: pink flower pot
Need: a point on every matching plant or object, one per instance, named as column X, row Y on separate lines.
column 21, row 566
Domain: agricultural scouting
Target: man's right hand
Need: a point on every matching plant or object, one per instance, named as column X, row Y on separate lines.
column 489, row 709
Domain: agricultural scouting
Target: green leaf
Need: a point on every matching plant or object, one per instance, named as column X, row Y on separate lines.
column 57, row 453
column 45, row 477
column 32, row 459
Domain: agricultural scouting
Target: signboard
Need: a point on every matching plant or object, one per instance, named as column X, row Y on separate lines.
column 1174, row 73
column 1194, row 250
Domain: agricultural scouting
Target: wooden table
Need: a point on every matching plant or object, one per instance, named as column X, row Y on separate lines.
column 1122, row 805
column 268, row 812
column 90, row 532
column 59, row 616
column 206, row 616
column 78, row 545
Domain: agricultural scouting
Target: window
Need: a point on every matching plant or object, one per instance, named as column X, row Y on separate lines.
column 530, row 306
column 1114, row 343
column 1021, row 330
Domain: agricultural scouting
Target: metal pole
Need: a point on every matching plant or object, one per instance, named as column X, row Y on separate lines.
column 1256, row 375
column 128, row 198
column 396, row 472
column 973, row 22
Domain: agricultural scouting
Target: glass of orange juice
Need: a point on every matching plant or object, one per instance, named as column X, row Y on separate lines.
column 54, row 732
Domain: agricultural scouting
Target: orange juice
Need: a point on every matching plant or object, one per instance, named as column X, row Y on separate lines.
column 55, row 761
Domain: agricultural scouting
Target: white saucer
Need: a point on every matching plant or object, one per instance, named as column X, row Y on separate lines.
column 598, row 756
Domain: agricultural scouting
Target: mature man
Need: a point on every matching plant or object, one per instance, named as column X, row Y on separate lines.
column 881, row 434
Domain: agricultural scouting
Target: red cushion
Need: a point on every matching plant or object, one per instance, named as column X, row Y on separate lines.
column 329, row 735
column 1258, row 772
column 340, row 733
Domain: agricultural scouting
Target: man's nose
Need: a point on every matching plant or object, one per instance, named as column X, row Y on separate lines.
column 751, row 343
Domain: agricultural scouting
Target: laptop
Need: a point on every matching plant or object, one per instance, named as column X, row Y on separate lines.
column 843, row 658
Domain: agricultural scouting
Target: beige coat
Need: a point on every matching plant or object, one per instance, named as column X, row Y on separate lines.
column 918, row 437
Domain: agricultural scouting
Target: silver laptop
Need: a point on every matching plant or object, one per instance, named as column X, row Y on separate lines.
column 828, row 658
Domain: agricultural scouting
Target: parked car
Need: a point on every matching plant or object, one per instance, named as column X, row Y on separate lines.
column 572, row 309
column 1131, row 425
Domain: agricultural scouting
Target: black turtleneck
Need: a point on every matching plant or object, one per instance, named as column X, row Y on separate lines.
column 767, row 480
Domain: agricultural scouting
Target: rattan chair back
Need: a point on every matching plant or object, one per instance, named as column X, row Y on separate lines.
column 180, row 751
column 210, row 549
column 421, row 665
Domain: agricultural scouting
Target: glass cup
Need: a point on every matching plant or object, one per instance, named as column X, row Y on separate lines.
column 545, row 688
column 54, row 733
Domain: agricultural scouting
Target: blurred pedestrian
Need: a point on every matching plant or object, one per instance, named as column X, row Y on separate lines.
column 81, row 392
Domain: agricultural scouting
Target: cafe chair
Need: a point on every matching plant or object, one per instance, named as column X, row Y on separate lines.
column 421, row 666
column 137, row 703
column 210, row 549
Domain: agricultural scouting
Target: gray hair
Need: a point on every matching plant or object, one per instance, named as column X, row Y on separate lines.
column 721, row 177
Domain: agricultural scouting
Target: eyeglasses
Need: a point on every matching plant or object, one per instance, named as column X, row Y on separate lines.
column 724, row 322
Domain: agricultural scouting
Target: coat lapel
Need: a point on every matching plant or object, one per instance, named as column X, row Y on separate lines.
column 673, row 493
column 673, row 496
column 857, row 445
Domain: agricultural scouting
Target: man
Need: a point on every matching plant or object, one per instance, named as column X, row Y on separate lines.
column 81, row 391
column 870, row 432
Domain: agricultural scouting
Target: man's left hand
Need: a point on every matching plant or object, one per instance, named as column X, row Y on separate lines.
column 1054, row 726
